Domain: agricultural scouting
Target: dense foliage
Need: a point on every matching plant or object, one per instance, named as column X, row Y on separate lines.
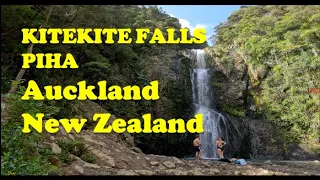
column 21, row 153
column 280, row 47
column 118, row 64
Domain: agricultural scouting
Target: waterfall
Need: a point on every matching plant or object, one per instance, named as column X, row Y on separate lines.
column 215, row 124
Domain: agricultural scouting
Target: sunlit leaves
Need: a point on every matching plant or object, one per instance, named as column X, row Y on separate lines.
column 284, row 40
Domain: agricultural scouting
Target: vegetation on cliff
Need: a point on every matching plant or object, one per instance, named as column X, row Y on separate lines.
column 278, row 47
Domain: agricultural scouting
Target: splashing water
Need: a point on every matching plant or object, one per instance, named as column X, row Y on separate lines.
column 214, row 122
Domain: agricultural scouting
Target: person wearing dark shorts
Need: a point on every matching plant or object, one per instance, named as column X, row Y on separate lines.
column 220, row 148
column 197, row 147
column 220, row 143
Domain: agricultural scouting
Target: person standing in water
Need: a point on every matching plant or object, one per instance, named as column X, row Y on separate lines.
column 220, row 145
column 197, row 147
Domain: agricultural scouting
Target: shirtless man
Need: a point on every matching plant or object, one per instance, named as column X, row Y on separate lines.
column 220, row 145
column 197, row 146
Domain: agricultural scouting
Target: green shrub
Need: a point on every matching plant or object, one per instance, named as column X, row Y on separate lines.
column 23, row 154
column 76, row 148
column 89, row 157
column 65, row 158
column 16, row 107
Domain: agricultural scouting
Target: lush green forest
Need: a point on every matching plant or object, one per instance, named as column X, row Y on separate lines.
column 278, row 46
column 118, row 64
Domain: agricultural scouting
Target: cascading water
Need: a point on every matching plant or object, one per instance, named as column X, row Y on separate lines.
column 214, row 122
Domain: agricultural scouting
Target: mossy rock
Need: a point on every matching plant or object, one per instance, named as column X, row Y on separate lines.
column 234, row 111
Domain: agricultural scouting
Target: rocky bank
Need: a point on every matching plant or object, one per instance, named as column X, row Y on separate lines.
column 116, row 154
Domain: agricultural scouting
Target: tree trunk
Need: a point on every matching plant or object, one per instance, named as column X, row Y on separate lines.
column 22, row 70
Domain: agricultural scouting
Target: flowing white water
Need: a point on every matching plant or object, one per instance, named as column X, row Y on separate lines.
column 213, row 120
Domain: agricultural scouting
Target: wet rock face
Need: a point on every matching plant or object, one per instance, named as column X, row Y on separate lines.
column 262, row 140
column 229, row 96
column 231, row 85
column 251, row 135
